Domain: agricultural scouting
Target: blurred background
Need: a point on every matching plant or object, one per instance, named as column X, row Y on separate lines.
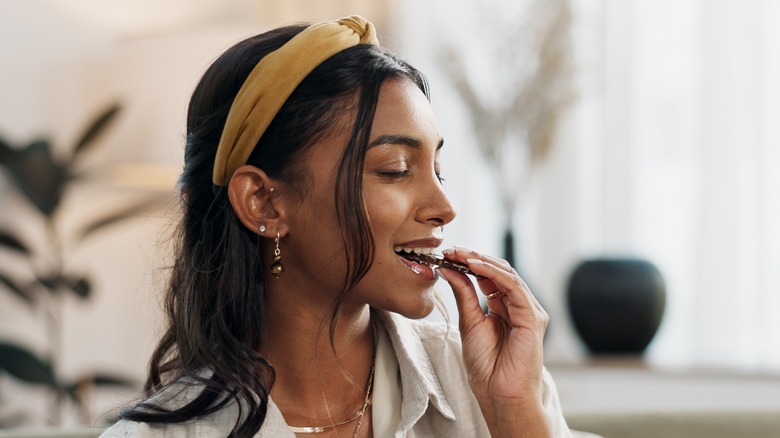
column 589, row 129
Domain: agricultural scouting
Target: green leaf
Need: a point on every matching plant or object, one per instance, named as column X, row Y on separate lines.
column 19, row 291
column 10, row 241
column 52, row 283
column 80, row 286
column 24, row 365
column 120, row 215
column 92, row 132
column 38, row 176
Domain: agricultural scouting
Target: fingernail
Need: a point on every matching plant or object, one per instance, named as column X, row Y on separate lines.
column 475, row 262
column 458, row 248
column 448, row 252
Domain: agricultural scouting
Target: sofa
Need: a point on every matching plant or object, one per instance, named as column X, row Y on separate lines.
column 709, row 424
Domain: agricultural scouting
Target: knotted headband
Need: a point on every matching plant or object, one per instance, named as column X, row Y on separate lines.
column 274, row 79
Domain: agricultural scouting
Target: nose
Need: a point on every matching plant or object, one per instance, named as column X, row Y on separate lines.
column 435, row 206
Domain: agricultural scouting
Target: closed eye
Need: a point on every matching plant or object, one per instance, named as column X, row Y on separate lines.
column 393, row 174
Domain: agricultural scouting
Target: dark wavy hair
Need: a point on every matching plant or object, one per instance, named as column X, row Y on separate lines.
column 215, row 299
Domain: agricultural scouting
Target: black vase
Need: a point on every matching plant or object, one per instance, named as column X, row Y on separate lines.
column 616, row 304
column 509, row 247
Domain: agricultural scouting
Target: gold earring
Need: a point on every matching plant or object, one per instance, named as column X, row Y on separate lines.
column 277, row 269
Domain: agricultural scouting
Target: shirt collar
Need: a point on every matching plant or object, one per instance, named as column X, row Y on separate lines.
column 419, row 381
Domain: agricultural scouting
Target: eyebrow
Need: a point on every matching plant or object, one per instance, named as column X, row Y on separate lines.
column 404, row 140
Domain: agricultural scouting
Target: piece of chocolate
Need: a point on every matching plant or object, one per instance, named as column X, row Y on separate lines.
column 437, row 260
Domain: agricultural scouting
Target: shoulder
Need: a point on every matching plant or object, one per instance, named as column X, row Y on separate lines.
column 175, row 396
column 124, row 428
column 218, row 423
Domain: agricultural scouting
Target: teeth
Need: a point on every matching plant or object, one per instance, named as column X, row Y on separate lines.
column 414, row 250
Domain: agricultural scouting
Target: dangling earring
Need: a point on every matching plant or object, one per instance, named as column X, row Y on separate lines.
column 277, row 269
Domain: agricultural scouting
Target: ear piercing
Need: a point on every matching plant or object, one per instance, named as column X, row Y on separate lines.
column 277, row 268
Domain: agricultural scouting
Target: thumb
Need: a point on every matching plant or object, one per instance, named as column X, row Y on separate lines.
column 469, row 310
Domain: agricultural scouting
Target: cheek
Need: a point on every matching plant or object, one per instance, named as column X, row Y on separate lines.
column 386, row 209
column 315, row 240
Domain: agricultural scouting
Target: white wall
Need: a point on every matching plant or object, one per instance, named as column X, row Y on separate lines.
column 62, row 65
column 670, row 154
column 58, row 72
column 64, row 61
column 549, row 218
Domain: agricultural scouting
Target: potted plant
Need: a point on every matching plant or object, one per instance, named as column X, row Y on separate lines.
column 43, row 180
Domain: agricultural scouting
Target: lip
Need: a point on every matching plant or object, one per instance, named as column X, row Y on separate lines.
column 422, row 270
column 429, row 242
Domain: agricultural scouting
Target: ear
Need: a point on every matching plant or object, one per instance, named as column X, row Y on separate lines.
column 255, row 199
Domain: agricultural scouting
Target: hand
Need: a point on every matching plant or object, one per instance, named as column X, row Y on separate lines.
column 502, row 350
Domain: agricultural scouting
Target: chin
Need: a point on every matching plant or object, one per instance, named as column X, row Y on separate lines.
column 418, row 309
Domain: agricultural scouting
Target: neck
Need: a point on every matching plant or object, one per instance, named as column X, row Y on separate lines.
column 317, row 382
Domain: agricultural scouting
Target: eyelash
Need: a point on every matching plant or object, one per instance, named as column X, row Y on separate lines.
column 398, row 174
column 394, row 174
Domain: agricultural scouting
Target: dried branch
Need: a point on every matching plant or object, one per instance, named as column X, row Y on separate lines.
column 532, row 70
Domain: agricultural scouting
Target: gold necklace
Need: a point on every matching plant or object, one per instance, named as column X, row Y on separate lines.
column 358, row 415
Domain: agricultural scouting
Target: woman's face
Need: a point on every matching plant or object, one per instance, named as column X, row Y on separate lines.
column 406, row 205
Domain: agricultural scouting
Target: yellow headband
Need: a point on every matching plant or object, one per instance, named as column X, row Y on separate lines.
column 274, row 79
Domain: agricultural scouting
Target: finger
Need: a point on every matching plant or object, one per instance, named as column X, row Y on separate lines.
column 510, row 279
column 461, row 254
column 517, row 292
column 488, row 288
column 503, row 264
column 469, row 310
column 496, row 306
column 531, row 297
column 493, row 296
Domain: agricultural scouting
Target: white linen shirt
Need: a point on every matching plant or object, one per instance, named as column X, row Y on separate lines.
column 435, row 398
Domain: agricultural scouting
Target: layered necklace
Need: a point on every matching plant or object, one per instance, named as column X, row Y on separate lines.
column 358, row 415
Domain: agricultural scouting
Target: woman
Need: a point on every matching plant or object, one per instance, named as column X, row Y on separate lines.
column 311, row 171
